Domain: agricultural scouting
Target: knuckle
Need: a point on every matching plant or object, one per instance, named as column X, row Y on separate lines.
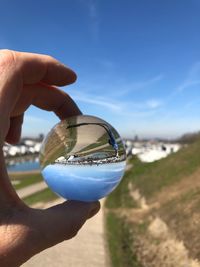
column 7, row 58
column 49, row 58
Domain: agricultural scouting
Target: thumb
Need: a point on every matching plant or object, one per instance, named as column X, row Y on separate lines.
column 63, row 221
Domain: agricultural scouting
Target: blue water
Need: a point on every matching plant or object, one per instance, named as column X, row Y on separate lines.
column 83, row 182
column 24, row 166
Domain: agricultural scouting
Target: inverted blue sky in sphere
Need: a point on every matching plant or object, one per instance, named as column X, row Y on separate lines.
column 83, row 182
column 138, row 62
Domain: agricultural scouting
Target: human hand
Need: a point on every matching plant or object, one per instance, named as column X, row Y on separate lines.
column 27, row 79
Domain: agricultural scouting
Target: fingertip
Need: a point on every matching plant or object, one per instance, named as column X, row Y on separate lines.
column 59, row 75
column 89, row 208
column 69, row 75
column 83, row 210
column 73, row 76
column 96, row 206
column 44, row 68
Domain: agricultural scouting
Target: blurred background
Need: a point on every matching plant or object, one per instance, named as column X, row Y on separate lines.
column 138, row 67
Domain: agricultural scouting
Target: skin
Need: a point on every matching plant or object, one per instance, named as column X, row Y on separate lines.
column 31, row 79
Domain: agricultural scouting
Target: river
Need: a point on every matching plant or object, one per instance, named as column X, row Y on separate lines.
column 23, row 164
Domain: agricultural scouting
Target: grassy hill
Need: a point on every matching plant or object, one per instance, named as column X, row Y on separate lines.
column 153, row 217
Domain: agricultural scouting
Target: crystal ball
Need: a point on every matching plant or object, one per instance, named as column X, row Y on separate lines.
column 82, row 158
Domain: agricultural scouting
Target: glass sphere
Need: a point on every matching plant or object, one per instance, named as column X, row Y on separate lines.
column 82, row 158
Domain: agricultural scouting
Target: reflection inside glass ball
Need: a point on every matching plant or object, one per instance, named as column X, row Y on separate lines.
column 83, row 158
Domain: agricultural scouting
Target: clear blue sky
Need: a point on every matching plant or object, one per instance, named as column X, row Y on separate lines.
column 138, row 61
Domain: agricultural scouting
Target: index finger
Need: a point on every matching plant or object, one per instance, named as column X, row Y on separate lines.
column 47, row 98
column 44, row 97
column 38, row 67
column 18, row 69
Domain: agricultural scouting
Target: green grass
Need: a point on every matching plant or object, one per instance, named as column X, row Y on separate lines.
column 175, row 208
column 41, row 196
column 26, row 179
column 120, row 242
column 182, row 216
column 150, row 178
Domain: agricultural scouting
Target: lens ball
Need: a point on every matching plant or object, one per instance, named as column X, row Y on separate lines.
column 83, row 158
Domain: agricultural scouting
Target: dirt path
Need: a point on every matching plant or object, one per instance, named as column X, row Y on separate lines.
column 19, row 173
column 31, row 189
column 87, row 249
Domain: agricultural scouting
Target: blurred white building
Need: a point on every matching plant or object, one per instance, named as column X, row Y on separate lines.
column 150, row 151
column 28, row 147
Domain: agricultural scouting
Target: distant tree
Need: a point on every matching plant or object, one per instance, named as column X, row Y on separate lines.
column 189, row 138
column 41, row 137
column 136, row 139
